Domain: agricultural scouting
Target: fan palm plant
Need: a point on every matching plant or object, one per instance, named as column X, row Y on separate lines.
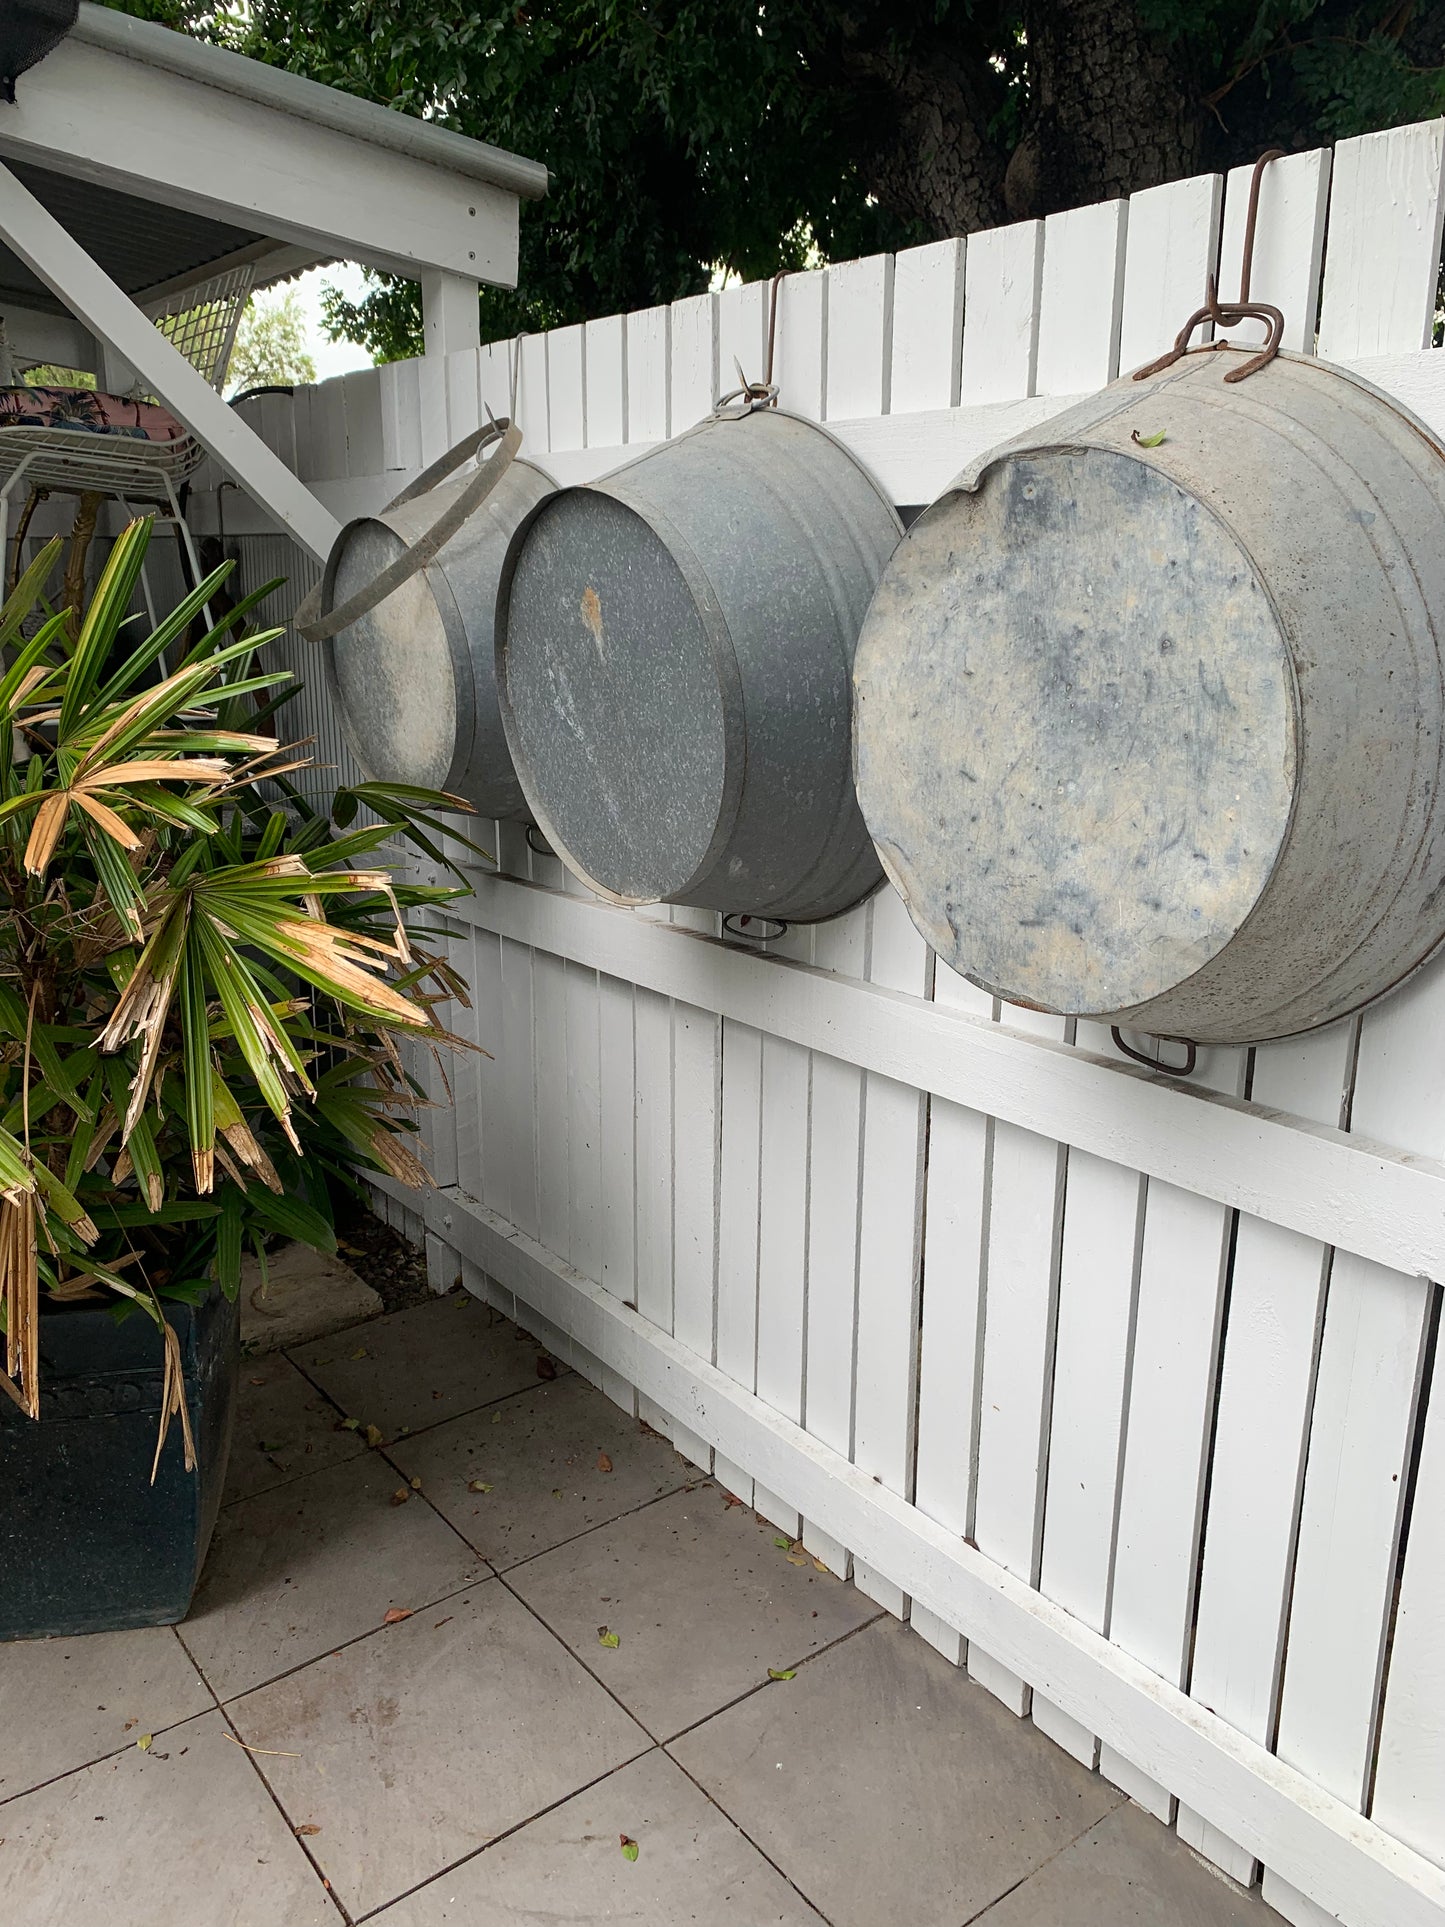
column 202, row 994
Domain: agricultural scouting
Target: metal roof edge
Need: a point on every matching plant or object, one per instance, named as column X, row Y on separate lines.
column 288, row 93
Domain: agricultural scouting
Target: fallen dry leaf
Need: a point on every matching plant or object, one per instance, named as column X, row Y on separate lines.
column 361, row 1352
column 309, row 1828
column 546, row 1367
column 478, row 1485
column 374, row 1435
column 416, row 1485
column 629, row 1847
column 394, row 1613
column 400, row 1496
column 604, row 1464
column 731, row 1499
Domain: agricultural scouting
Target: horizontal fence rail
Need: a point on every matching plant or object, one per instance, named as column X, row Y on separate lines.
column 1121, row 1389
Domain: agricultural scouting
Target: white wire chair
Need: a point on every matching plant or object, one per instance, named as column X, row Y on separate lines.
column 201, row 324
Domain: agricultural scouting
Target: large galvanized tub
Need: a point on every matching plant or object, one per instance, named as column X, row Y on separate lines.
column 1149, row 705
column 674, row 659
column 412, row 676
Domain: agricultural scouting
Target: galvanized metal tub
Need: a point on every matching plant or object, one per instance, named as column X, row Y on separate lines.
column 1151, row 729
column 674, row 653
column 413, row 677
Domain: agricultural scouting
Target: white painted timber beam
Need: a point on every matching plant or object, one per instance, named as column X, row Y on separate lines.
column 1346, row 1191
column 90, row 112
column 90, row 294
column 1321, row 1846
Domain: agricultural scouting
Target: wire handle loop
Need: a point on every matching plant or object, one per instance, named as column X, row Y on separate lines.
column 1230, row 314
column 1186, row 1069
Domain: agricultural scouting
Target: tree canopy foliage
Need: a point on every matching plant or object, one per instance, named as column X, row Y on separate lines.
column 685, row 136
column 271, row 343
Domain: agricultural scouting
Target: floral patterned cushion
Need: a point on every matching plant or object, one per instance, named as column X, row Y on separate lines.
column 90, row 412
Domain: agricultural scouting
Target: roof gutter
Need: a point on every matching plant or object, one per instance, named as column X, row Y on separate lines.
column 309, row 100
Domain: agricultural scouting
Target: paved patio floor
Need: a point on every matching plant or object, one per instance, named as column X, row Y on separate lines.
column 584, row 1663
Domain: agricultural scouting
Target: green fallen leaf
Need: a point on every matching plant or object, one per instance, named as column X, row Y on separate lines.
column 1149, row 441
column 350, row 1425
column 361, row 1353
column 781, row 1543
column 782, row 1672
column 478, row 1485
column 374, row 1435
column 629, row 1848
column 606, row 1638
column 144, row 1742
column 271, row 1445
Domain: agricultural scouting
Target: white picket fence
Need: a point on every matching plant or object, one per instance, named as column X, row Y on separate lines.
column 1118, row 1387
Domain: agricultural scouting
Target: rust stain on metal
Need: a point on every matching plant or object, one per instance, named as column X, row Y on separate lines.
column 592, row 616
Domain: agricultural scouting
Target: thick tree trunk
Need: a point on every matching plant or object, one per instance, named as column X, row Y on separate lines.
column 1109, row 111
column 926, row 149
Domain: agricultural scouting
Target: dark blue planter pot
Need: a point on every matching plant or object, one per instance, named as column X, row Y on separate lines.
column 87, row 1543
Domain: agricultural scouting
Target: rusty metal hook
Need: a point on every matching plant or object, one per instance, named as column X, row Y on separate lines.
column 1186, row 1069
column 750, row 395
column 1231, row 314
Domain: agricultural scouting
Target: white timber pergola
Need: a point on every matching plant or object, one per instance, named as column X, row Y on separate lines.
column 136, row 162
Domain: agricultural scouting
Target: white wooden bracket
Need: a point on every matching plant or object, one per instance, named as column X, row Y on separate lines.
column 58, row 260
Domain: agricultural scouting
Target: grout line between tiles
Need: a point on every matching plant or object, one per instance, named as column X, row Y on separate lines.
column 113, row 1753
column 506, row 1834
column 270, row 1791
column 757, row 1848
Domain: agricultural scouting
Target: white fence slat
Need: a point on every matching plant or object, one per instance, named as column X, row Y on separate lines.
column 276, row 423
column 1002, row 272
column 464, row 401
column 889, row 1219
column 1172, row 243
column 605, row 359
column 693, row 387
column 431, row 378
column 649, row 374
column 400, row 414
column 1261, row 1432
column 742, row 334
column 549, row 1025
column 860, row 334
column 956, row 1178
column 1289, row 244
column 516, row 1088
column 582, row 1122
column 1409, row 1797
column 927, row 326
column 1176, row 1343
column 494, row 377
column 1081, row 298
column 653, row 1031
column 328, row 427
column 782, row 1246
column 840, row 946
column 738, row 1201
column 617, row 1111
column 530, row 374
column 1361, row 1431
column 696, row 1118
column 1383, row 263
column 1093, row 1353
column 363, row 421
column 566, row 388
column 800, row 351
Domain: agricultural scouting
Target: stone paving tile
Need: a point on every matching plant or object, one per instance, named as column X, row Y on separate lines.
column 702, row 1601
column 295, row 1571
column 182, row 1836
column 888, row 1786
column 692, row 1866
column 65, row 1702
column 1128, row 1872
column 539, row 1453
column 307, row 1294
column 284, row 1427
column 420, row 1366
column 419, row 1744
